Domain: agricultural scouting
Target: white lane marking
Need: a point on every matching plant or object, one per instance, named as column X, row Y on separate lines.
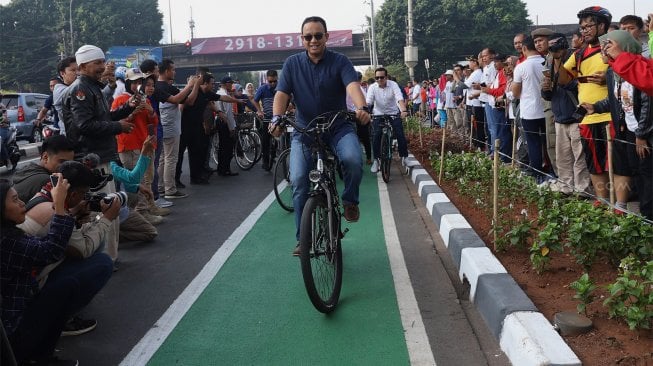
column 154, row 338
column 417, row 342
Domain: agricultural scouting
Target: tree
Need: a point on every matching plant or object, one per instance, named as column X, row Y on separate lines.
column 446, row 31
column 36, row 34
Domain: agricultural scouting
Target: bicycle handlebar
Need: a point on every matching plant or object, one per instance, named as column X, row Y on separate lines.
column 322, row 122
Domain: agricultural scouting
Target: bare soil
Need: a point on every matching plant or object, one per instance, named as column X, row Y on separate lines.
column 610, row 342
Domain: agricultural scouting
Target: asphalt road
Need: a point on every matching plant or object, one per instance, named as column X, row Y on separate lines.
column 152, row 276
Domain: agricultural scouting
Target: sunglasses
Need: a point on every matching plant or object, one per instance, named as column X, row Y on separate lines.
column 309, row 37
column 379, row 77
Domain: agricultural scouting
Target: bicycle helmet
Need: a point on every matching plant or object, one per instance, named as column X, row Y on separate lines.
column 121, row 72
column 596, row 11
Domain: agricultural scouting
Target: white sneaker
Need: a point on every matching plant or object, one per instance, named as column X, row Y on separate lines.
column 163, row 203
column 375, row 166
column 403, row 161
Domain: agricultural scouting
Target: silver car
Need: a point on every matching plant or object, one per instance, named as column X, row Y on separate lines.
column 22, row 109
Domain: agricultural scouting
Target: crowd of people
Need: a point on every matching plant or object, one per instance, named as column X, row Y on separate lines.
column 563, row 104
column 124, row 132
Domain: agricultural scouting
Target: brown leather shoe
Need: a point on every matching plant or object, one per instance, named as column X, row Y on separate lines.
column 352, row 213
column 297, row 251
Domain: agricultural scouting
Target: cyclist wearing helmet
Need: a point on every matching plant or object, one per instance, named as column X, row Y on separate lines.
column 587, row 67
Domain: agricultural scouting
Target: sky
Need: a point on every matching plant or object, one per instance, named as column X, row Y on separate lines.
column 252, row 17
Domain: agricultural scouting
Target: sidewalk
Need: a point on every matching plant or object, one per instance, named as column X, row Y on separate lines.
column 525, row 335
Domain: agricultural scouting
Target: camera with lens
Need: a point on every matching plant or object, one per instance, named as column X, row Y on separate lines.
column 95, row 198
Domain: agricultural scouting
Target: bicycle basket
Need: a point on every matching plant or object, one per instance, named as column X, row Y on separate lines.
column 245, row 120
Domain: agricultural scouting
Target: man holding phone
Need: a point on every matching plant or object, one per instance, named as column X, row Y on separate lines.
column 587, row 64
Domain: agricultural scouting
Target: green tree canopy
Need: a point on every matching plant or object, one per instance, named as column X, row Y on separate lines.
column 36, row 34
column 446, row 31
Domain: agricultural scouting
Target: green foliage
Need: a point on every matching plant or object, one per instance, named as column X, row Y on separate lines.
column 631, row 296
column 584, row 287
column 36, row 33
column 446, row 31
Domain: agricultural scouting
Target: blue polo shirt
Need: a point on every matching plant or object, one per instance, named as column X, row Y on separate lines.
column 266, row 94
column 318, row 88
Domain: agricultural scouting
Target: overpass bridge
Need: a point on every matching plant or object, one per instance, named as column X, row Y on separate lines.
column 222, row 63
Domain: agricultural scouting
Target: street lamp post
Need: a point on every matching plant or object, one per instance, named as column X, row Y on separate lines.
column 72, row 38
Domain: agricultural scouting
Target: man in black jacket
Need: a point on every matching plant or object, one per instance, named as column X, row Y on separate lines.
column 90, row 125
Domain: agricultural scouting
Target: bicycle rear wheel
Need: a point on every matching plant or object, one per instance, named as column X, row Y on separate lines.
column 386, row 156
column 246, row 150
column 282, row 185
column 321, row 254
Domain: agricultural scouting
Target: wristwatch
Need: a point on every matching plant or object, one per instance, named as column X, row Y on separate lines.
column 275, row 119
column 363, row 108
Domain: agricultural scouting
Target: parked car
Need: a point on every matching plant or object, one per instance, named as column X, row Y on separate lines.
column 22, row 109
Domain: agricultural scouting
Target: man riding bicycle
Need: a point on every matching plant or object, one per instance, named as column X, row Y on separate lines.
column 387, row 99
column 319, row 80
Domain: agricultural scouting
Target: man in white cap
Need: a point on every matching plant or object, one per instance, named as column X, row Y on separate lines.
column 90, row 125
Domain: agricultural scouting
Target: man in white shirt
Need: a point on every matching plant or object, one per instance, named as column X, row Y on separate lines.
column 489, row 75
column 478, row 114
column 387, row 99
column 416, row 98
column 526, row 86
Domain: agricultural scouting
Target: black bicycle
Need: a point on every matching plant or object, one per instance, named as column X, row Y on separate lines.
column 247, row 149
column 385, row 124
column 320, row 232
column 282, row 185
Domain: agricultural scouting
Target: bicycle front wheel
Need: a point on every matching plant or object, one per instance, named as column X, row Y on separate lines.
column 246, row 150
column 321, row 254
column 386, row 156
column 282, row 185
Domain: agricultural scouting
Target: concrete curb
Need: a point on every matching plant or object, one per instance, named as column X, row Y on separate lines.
column 524, row 334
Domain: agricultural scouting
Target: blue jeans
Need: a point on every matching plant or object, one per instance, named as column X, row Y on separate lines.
column 349, row 154
column 535, row 131
column 499, row 128
column 69, row 287
column 398, row 128
column 157, row 156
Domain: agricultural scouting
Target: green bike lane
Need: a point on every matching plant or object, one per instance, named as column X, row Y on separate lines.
column 255, row 311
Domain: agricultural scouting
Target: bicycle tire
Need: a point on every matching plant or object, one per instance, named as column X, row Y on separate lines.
column 321, row 263
column 257, row 141
column 386, row 156
column 282, row 185
column 215, row 147
column 245, row 150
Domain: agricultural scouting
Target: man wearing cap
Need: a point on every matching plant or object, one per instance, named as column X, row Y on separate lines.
column 226, row 130
column 89, row 123
column 541, row 38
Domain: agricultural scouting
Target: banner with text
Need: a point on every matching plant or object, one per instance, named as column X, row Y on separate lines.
column 263, row 42
column 132, row 56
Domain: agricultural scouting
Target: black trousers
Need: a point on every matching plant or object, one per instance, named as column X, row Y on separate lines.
column 196, row 141
column 363, row 133
column 226, row 149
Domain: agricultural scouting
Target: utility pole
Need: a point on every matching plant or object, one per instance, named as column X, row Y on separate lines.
column 375, row 58
column 410, row 51
column 170, row 20
column 191, row 23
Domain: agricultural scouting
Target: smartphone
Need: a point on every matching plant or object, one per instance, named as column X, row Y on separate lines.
column 582, row 78
column 150, row 130
column 579, row 113
column 484, row 85
column 54, row 180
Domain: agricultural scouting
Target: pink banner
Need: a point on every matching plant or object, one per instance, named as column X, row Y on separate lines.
column 263, row 42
